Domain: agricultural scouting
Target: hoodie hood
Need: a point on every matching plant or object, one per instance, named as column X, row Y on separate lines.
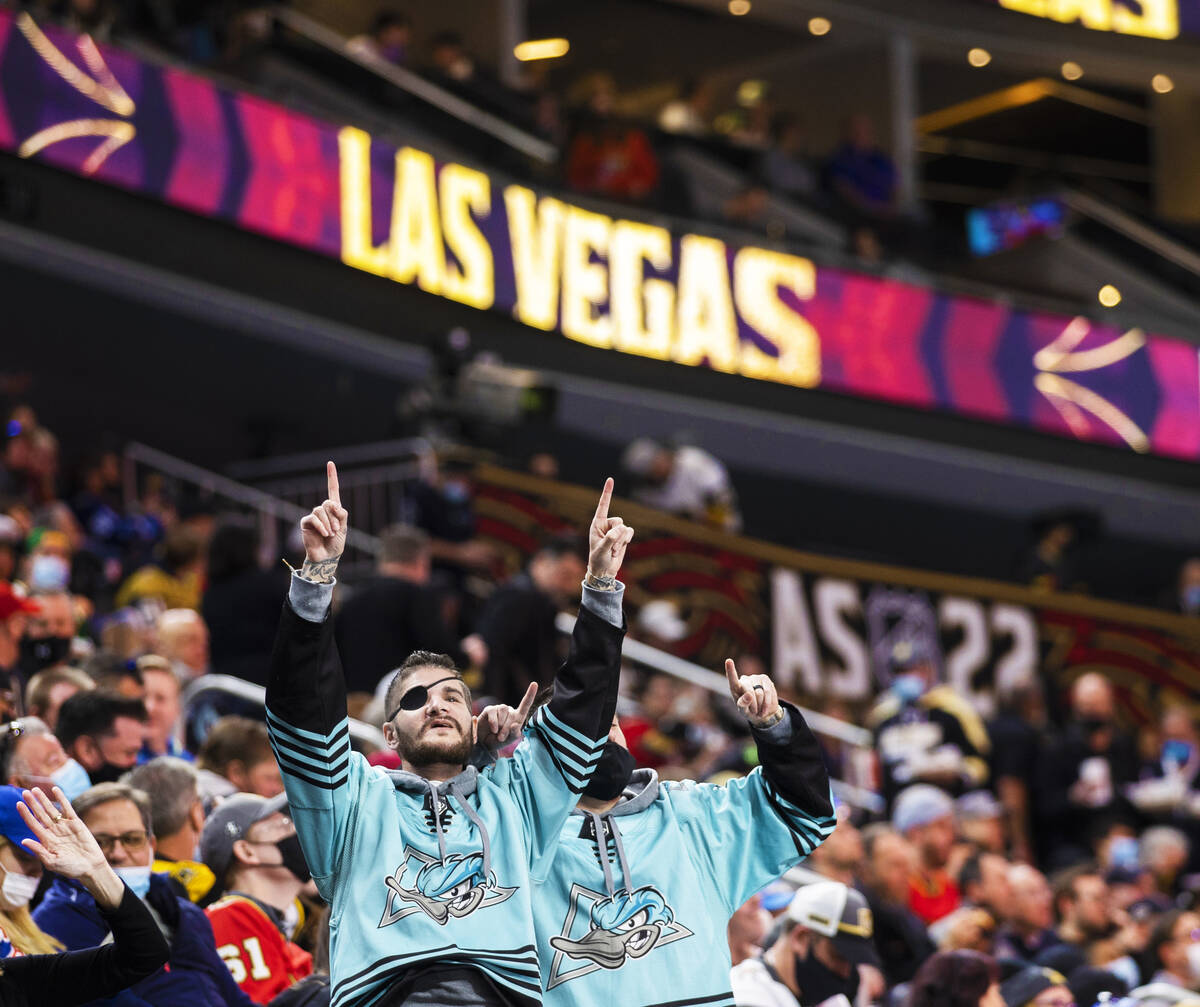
column 457, row 787
column 464, row 783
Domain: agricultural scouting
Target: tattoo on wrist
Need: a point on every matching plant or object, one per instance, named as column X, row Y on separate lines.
column 604, row 583
column 319, row 571
column 770, row 721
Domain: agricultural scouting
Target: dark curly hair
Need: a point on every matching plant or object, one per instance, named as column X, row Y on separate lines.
column 952, row 979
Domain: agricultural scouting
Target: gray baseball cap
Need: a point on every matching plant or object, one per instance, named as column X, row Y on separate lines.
column 229, row 822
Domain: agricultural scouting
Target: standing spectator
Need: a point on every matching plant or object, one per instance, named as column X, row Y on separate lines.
column 827, row 933
column 183, row 640
column 518, row 621
column 48, row 633
column 240, row 600
column 103, row 732
column 924, row 815
column 956, row 979
column 860, row 173
column 251, row 846
column 237, row 757
column 1187, row 591
column 1015, row 738
column 388, row 39
column 900, row 934
column 390, row 615
column 160, row 694
column 175, row 581
column 177, row 818
column 688, row 114
column 687, row 481
column 14, row 615
column 31, row 756
column 1027, row 930
column 49, row 689
column 1054, row 562
column 607, row 157
column 786, row 166
column 119, row 817
column 1083, row 772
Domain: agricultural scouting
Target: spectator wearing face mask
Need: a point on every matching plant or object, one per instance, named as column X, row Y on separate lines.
column 250, row 844
column 103, row 732
column 118, row 816
column 20, row 872
column 31, row 756
column 48, row 634
column 827, row 933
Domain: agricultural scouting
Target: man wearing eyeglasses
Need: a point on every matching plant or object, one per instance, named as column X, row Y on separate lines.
column 428, row 869
column 194, row 976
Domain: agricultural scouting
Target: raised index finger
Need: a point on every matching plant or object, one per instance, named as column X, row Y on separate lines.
column 334, row 493
column 735, row 682
column 527, row 701
column 605, row 500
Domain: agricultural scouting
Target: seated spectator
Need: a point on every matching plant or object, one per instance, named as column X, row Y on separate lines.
column 175, row 581
column 176, row 818
column 1027, row 924
column 685, row 480
column 518, row 622
column 388, row 39
column 688, row 114
column 840, row 857
column 20, row 872
column 924, row 816
column 860, row 173
column 388, row 616
column 119, row 817
column 15, row 611
column 240, row 606
column 1169, row 956
column 980, row 822
column 1081, row 903
column 747, row 929
column 983, row 882
column 1163, row 855
column 1083, row 772
column 161, row 697
column 900, row 935
column 47, row 565
column 49, row 689
column 115, row 674
column 826, row 934
column 48, row 633
column 237, row 758
column 31, row 756
column 607, row 157
column 183, row 640
column 956, row 979
column 786, row 167
column 1036, row 987
column 103, row 732
column 251, row 846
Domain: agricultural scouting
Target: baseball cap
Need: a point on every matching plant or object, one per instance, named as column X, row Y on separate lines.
column 12, row 825
column 920, row 804
column 777, row 895
column 977, row 805
column 12, row 603
column 1028, row 983
column 841, row 913
column 229, row 822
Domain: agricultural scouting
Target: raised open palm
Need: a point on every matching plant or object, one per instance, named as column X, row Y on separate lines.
column 63, row 845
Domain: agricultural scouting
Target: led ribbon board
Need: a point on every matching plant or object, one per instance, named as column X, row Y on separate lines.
column 614, row 285
column 1160, row 19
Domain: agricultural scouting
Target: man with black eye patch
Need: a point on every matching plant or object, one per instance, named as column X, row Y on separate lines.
column 428, row 869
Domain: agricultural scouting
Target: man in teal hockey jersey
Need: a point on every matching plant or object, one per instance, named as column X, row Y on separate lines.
column 429, row 869
column 647, row 874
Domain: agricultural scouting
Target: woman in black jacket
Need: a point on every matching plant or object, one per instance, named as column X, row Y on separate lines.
column 66, row 847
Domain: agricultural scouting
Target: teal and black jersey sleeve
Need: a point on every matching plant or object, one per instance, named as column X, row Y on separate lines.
column 752, row 830
column 310, row 733
column 566, row 736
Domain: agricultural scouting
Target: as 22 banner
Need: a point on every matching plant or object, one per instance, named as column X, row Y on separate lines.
column 614, row 284
column 827, row 627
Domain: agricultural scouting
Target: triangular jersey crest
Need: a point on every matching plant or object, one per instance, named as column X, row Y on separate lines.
column 441, row 889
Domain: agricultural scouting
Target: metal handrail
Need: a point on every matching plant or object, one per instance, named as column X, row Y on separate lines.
column 1133, row 229
column 313, row 461
column 248, row 692
column 415, row 84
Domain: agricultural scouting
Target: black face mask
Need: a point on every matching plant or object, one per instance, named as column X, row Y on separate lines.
column 1092, row 725
column 107, row 773
column 43, row 652
column 818, row 982
column 293, row 858
column 612, row 773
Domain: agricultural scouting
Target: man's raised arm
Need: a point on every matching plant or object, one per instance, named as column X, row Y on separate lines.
column 306, row 695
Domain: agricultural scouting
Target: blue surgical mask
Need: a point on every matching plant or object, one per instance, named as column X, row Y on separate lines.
column 1176, row 751
column 71, row 778
column 137, row 878
column 1124, row 851
column 49, row 573
column 908, row 688
column 1191, row 598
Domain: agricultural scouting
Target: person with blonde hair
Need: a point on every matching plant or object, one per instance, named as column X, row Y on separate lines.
column 20, row 872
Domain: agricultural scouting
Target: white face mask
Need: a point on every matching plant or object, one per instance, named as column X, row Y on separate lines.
column 18, row 889
column 1193, row 957
column 71, row 778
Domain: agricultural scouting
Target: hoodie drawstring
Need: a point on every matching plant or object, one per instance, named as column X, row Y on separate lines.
column 621, row 854
column 437, row 819
column 602, row 849
column 473, row 815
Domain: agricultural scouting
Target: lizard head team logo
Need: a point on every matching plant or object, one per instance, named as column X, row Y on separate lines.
column 619, row 927
column 441, row 889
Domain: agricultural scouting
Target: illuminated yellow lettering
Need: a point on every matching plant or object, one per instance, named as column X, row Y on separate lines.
column 1096, row 14
column 1158, row 19
column 642, row 309
column 584, row 282
column 1035, row 7
column 464, row 192
column 758, row 275
column 354, row 175
column 707, row 327
column 535, row 234
column 416, row 241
